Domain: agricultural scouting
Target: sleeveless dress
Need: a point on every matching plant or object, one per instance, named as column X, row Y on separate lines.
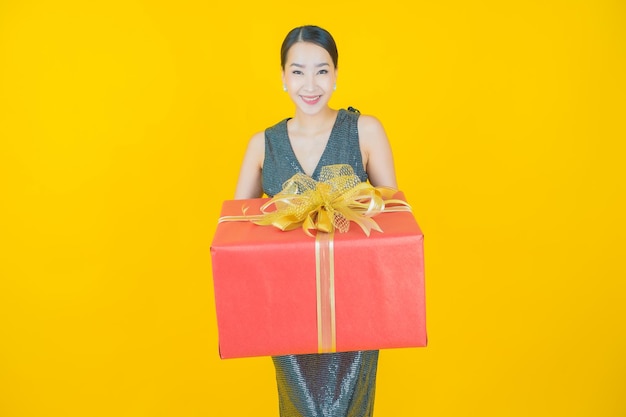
column 329, row 384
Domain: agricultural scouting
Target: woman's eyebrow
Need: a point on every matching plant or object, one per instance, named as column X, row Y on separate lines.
column 323, row 64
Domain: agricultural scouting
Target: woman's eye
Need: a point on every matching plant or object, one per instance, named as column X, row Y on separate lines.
column 323, row 71
column 296, row 72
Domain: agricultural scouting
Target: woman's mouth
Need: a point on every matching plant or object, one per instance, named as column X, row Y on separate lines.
column 310, row 99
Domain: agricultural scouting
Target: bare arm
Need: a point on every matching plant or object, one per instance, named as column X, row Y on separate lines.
column 249, row 184
column 377, row 155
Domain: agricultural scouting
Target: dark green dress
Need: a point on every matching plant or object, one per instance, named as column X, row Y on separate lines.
column 329, row 384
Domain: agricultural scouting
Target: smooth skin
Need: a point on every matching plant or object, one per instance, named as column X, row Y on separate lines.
column 310, row 78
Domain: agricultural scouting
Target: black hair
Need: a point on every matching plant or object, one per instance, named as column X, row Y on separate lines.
column 313, row 34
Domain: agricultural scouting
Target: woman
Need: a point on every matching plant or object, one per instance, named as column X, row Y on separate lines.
column 335, row 384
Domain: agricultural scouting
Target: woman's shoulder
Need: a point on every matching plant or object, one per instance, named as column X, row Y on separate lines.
column 258, row 136
column 256, row 143
column 365, row 121
column 369, row 126
column 280, row 126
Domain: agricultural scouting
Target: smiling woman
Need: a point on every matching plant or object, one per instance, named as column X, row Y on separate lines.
column 329, row 384
column 309, row 60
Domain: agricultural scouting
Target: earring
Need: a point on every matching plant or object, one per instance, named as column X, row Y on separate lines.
column 335, row 87
column 284, row 87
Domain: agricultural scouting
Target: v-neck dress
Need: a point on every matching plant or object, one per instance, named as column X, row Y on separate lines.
column 281, row 162
column 329, row 384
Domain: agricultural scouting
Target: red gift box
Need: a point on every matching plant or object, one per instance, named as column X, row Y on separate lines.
column 271, row 301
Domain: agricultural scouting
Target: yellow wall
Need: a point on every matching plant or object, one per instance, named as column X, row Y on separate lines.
column 122, row 126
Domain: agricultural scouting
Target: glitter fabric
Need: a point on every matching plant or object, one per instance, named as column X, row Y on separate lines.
column 327, row 385
column 281, row 163
column 330, row 384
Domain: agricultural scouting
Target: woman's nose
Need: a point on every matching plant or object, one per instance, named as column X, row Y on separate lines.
column 309, row 84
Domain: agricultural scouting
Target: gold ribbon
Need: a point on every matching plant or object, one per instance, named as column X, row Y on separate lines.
column 337, row 199
column 325, row 284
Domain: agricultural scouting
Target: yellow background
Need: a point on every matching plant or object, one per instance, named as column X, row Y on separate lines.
column 122, row 126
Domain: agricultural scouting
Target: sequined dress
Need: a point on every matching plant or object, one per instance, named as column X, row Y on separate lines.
column 331, row 384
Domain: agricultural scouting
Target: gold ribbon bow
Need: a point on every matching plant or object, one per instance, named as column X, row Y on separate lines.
column 337, row 199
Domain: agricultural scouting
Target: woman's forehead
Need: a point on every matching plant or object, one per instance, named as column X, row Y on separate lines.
column 308, row 53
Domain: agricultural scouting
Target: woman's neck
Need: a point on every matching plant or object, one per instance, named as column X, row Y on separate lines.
column 314, row 122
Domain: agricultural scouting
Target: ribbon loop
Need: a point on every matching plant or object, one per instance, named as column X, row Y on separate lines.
column 331, row 203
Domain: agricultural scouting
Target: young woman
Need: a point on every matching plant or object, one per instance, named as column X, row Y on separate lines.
column 334, row 384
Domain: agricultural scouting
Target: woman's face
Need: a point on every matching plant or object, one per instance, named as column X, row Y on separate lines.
column 309, row 76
